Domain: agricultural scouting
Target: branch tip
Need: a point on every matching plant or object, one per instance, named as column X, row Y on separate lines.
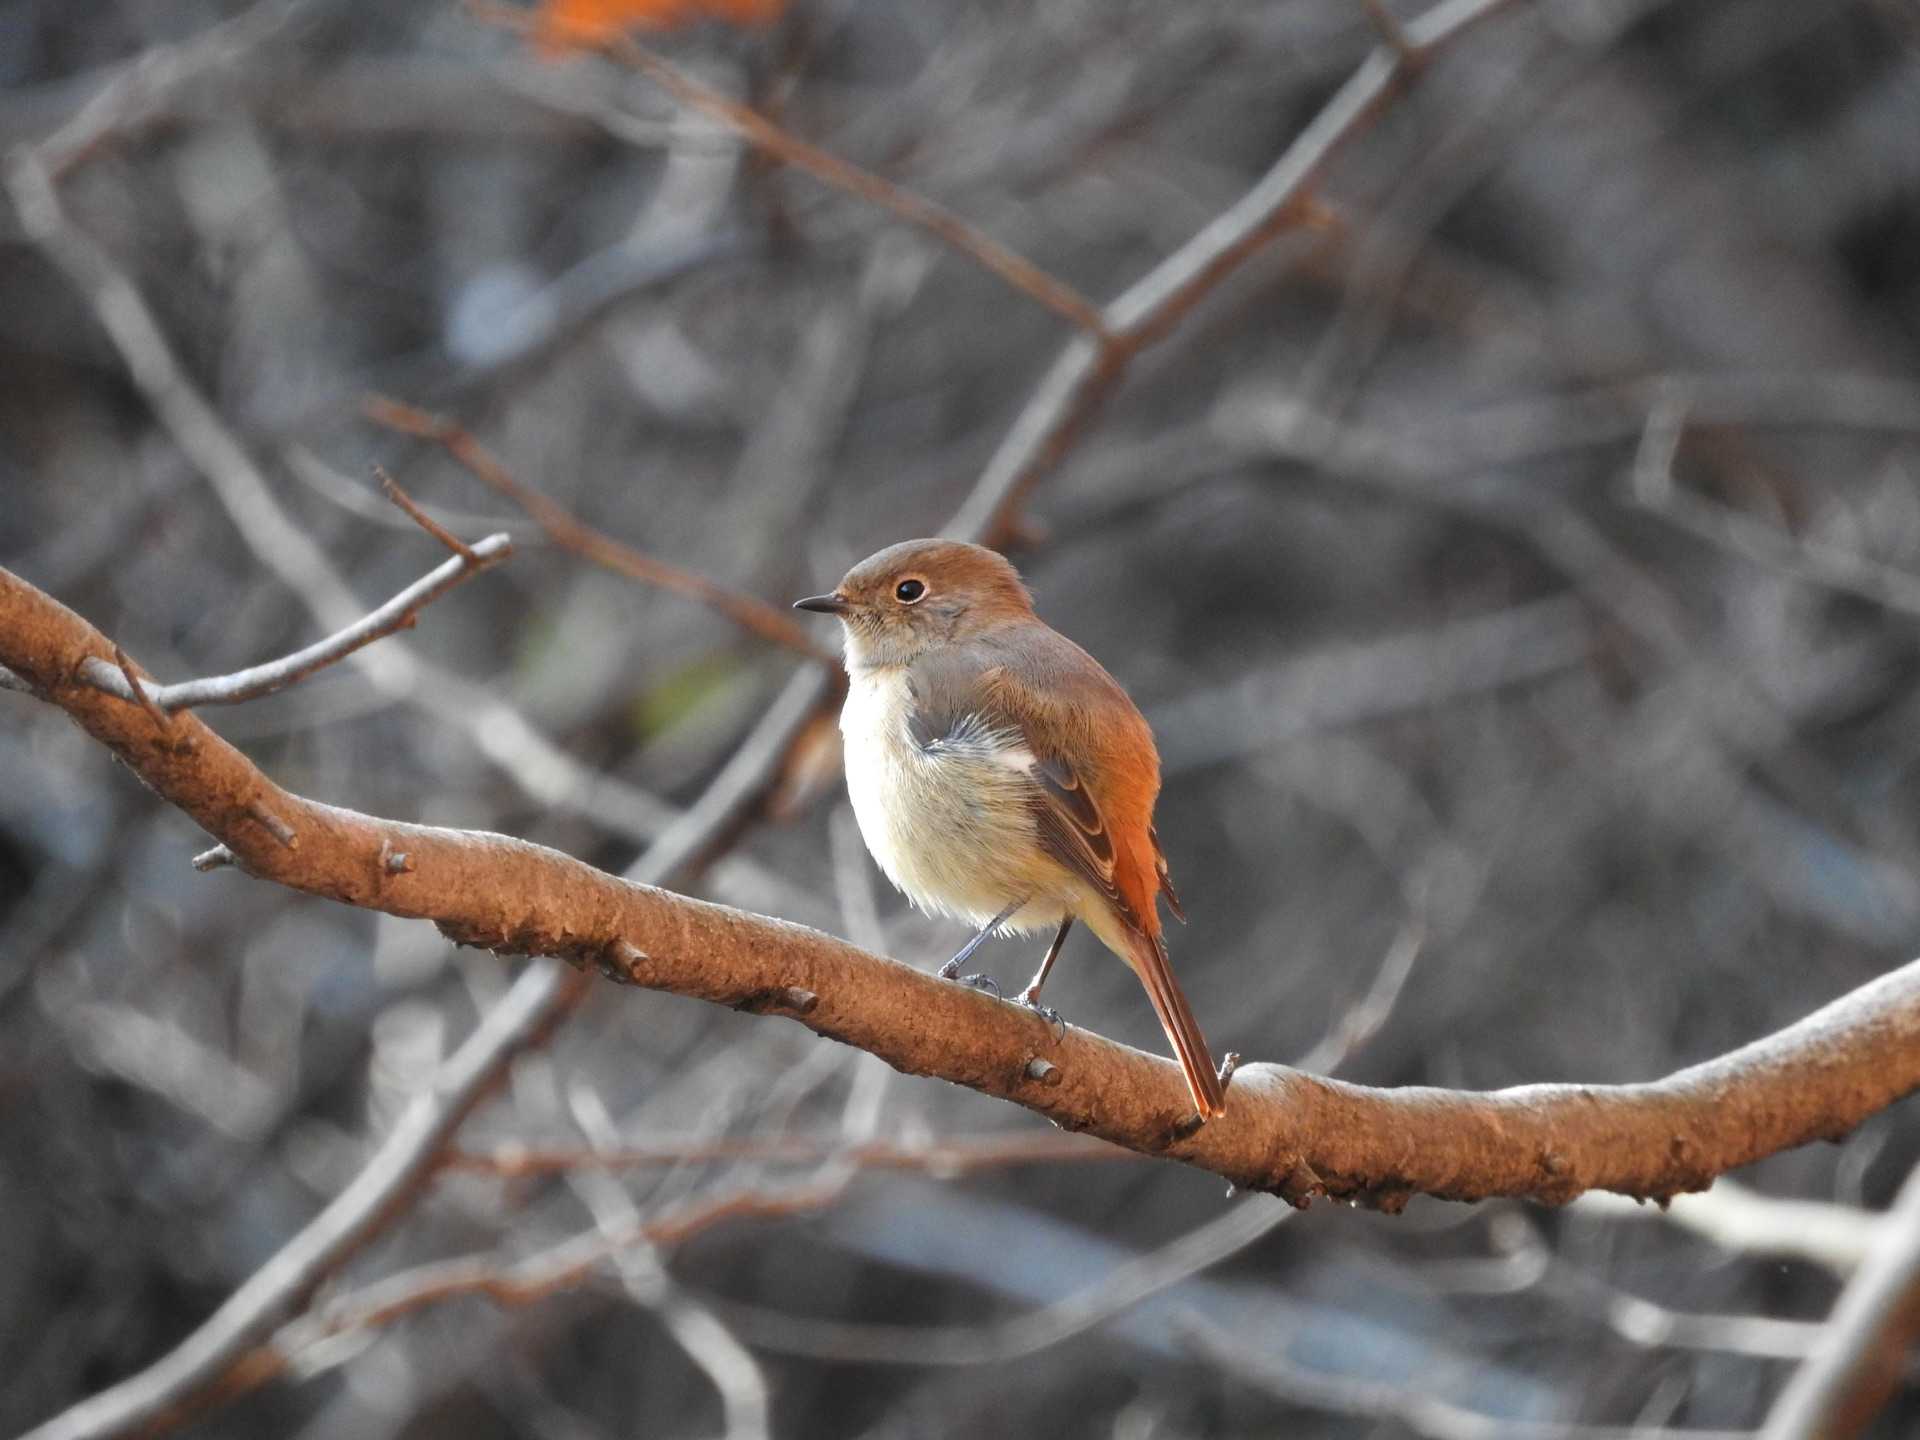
column 406, row 503
column 218, row 858
column 1043, row 1071
column 274, row 825
column 566, row 530
column 139, row 693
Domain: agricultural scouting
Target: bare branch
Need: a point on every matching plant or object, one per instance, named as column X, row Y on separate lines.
column 1818, row 1232
column 539, row 767
column 943, row 1159
column 567, row 531
column 1862, row 1353
column 219, row 857
column 242, row 685
column 405, row 1160
column 757, row 130
column 391, row 489
column 1384, row 21
column 139, row 91
column 1363, row 1019
column 1811, row 561
column 1086, row 371
column 1418, row 1410
column 303, row 1343
column 707, row 1341
column 135, row 691
column 194, row 1372
column 1292, row 1133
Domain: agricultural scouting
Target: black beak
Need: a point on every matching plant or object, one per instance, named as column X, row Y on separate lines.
column 823, row 604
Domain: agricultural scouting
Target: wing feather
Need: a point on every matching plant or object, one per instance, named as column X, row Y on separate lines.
column 1018, row 703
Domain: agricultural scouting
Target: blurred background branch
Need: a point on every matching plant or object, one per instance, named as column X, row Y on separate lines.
column 1512, row 544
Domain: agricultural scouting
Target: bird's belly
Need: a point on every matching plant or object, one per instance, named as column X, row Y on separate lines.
column 953, row 831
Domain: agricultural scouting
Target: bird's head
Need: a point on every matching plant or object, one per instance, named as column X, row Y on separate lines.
column 910, row 597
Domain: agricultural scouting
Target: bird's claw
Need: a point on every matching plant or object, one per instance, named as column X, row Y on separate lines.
column 1031, row 999
column 951, row 971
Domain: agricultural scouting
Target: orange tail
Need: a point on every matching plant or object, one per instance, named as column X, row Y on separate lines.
column 1176, row 1018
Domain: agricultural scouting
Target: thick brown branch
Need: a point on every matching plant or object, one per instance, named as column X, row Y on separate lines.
column 568, row 532
column 255, row 681
column 1286, row 1131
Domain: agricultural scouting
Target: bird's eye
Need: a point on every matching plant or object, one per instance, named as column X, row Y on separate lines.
column 908, row 591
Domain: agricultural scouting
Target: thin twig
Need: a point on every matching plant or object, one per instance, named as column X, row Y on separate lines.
column 138, row 90
column 944, row 1159
column 403, row 1162
column 1417, row 1409
column 391, row 489
column 1365, row 1016
column 1085, row 373
column 242, row 685
column 1391, row 31
column 137, row 692
column 830, row 169
column 1813, row 562
column 304, row 1344
column 543, row 771
column 705, row 1338
column 1862, row 1353
column 1121, row 1287
column 1839, row 1238
column 570, row 533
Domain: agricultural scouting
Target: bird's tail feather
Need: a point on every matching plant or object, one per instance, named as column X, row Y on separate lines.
column 1176, row 1018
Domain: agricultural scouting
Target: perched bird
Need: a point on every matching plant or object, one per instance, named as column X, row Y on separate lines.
column 1000, row 776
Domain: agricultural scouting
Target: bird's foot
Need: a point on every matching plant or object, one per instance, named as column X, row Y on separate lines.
column 951, row 971
column 1227, row 1067
column 1030, row 997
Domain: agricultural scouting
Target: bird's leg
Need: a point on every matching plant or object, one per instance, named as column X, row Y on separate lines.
column 1227, row 1066
column 1030, row 997
column 951, row 970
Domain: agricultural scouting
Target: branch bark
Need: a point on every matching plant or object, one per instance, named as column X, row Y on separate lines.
column 1289, row 1132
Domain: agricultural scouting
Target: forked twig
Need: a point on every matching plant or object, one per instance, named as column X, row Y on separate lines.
column 250, row 684
column 571, row 533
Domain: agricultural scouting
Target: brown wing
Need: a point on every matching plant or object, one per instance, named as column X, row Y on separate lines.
column 1074, row 831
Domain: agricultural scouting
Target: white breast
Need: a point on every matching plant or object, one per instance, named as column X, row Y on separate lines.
column 950, row 825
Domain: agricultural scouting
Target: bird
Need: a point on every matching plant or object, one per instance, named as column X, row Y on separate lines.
column 1000, row 776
